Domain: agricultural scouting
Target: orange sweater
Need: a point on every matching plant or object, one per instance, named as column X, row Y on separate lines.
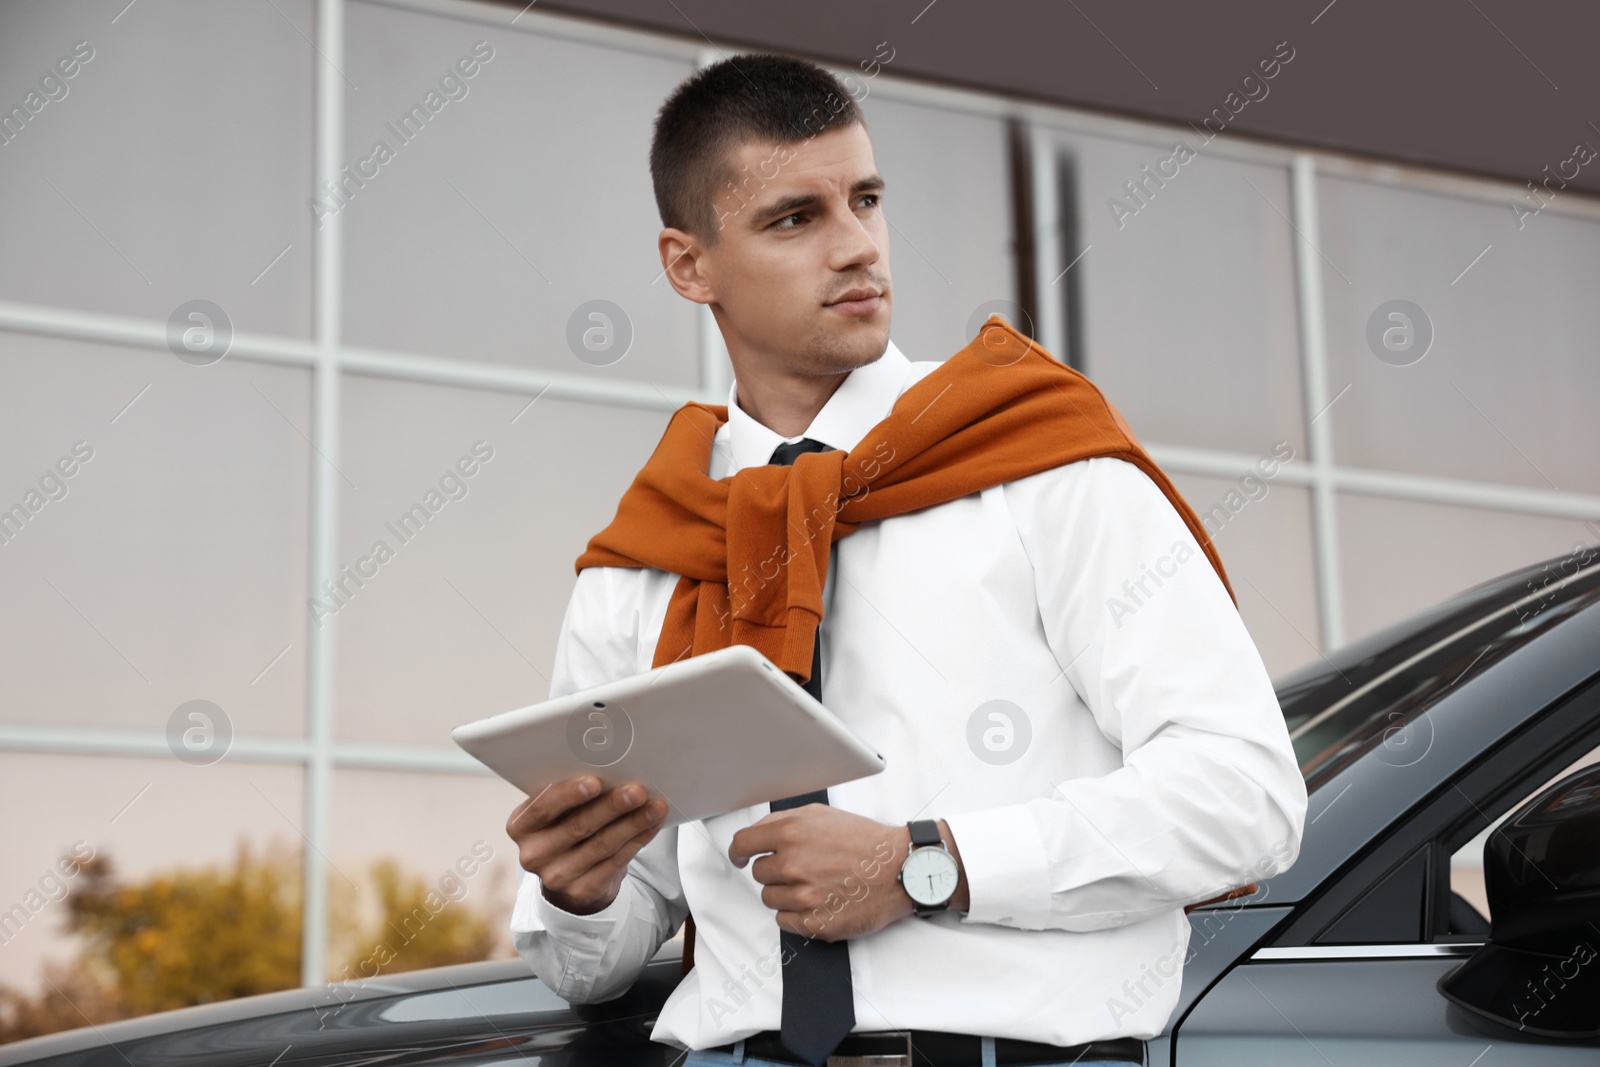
column 751, row 549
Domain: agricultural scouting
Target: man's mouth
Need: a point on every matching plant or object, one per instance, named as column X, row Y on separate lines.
column 861, row 301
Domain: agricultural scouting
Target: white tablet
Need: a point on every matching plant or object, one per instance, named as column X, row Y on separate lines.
column 711, row 734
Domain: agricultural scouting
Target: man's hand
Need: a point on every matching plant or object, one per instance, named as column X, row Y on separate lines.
column 831, row 874
column 579, row 844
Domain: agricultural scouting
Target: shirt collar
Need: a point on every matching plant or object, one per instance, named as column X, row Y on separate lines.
column 862, row 400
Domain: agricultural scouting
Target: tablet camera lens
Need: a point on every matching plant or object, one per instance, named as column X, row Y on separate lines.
column 600, row 735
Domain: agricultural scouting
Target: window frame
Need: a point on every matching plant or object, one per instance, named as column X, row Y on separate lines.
column 1491, row 785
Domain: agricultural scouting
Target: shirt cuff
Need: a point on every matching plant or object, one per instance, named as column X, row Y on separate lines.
column 1007, row 868
column 580, row 931
column 563, row 949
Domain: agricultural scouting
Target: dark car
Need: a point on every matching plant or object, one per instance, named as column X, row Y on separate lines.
column 1414, row 743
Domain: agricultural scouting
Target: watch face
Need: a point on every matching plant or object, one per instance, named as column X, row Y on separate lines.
column 929, row 875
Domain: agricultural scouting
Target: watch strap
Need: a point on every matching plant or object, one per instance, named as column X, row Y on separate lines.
column 925, row 832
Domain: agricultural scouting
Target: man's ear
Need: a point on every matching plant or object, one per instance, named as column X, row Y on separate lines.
column 681, row 262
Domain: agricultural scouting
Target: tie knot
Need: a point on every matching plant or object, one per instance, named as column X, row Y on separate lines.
column 784, row 455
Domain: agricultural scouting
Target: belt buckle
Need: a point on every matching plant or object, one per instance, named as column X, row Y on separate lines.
column 876, row 1059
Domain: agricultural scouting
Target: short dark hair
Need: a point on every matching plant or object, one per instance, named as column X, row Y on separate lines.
column 757, row 95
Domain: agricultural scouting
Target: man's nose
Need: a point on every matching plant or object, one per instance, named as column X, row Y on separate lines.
column 855, row 245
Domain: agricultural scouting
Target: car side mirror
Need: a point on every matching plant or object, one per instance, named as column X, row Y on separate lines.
column 1540, row 970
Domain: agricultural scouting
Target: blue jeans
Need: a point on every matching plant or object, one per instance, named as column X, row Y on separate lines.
column 736, row 1058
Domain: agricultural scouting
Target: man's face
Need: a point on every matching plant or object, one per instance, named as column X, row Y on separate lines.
column 801, row 229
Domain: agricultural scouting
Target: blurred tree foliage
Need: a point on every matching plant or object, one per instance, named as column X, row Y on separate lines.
column 69, row 998
column 192, row 937
column 189, row 937
column 420, row 924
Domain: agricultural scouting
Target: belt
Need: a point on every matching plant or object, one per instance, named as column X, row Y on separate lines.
column 933, row 1048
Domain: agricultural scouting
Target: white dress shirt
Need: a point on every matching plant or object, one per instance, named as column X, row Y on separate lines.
column 1052, row 666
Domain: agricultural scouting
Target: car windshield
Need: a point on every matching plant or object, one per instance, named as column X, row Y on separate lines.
column 1368, row 692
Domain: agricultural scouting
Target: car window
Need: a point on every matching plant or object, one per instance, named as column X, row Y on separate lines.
column 1466, row 863
column 1368, row 693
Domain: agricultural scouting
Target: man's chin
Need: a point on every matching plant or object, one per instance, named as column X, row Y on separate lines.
column 859, row 346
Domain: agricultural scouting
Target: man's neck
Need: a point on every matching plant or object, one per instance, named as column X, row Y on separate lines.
column 786, row 404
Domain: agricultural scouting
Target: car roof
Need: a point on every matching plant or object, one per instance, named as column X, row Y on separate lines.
column 1340, row 706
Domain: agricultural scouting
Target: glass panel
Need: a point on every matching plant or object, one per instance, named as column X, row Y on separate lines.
column 1506, row 390
column 146, row 815
column 504, row 209
column 946, row 263
column 162, row 172
column 1189, row 320
column 1263, row 532
column 461, row 622
column 1369, row 691
column 446, row 831
column 170, row 564
column 1399, row 557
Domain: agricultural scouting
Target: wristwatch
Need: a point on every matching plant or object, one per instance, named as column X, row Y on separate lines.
column 929, row 873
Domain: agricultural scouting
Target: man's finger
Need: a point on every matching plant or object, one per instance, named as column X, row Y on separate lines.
column 766, row 870
column 551, row 802
column 784, row 898
column 763, row 835
column 816, row 923
column 611, row 869
column 605, row 842
column 583, row 822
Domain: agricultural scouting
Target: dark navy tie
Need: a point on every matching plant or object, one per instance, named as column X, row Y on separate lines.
column 818, row 1000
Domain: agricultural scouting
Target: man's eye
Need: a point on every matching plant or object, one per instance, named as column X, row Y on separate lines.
column 868, row 200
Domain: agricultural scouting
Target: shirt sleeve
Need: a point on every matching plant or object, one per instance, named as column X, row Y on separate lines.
column 1210, row 795
column 587, row 958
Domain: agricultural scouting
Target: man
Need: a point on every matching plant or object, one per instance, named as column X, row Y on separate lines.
column 1087, row 769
